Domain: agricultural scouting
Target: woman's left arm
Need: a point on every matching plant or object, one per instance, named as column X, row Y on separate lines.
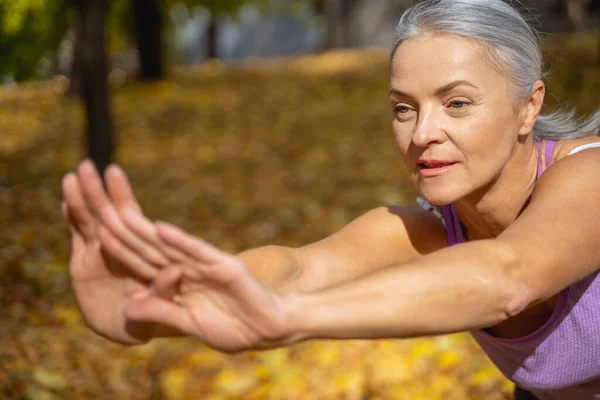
column 554, row 243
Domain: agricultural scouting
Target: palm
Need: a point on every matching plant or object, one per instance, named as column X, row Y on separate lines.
column 216, row 298
column 102, row 285
column 219, row 301
column 233, row 314
column 103, row 288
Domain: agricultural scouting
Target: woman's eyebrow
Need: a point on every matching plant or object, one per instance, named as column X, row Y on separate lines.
column 400, row 93
column 446, row 88
column 438, row 92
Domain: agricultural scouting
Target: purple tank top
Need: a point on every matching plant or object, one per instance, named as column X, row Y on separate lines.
column 560, row 360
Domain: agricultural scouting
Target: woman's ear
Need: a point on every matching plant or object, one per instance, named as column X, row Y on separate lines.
column 532, row 108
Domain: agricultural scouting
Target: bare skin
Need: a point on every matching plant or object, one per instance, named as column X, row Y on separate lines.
column 389, row 273
column 102, row 285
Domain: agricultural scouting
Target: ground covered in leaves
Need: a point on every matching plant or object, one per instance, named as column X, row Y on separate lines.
column 281, row 152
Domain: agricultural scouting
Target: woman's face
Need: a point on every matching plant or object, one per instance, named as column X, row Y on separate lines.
column 455, row 119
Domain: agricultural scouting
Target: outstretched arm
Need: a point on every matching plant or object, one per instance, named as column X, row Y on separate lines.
column 380, row 238
column 553, row 244
column 473, row 285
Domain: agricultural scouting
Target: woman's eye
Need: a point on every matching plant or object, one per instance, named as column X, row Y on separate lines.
column 458, row 104
column 402, row 109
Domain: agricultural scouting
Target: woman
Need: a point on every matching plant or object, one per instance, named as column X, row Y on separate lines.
column 466, row 94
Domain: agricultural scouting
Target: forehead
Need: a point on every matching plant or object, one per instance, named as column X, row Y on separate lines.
column 433, row 61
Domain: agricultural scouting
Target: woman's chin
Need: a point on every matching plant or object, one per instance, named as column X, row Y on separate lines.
column 438, row 197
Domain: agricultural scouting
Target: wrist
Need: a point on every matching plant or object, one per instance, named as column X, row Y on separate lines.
column 296, row 306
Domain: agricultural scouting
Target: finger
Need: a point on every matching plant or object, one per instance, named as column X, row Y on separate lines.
column 146, row 230
column 123, row 254
column 112, row 220
column 64, row 211
column 91, row 187
column 166, row 284
column 160, row 311
column 195, row 248
column 81, row 217
column 119, row 188
column 77, row 242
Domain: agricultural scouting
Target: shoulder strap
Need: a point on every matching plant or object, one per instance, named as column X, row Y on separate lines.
column 584, row 147
column 550, row 144
column 454, row 233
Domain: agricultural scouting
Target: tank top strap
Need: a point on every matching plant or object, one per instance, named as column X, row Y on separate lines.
column 550, row 144
column 454, row 233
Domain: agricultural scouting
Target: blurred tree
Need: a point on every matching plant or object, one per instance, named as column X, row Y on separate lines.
column 576, row 13
column 28, row 30
column 148, row 24
column 216, row 8
column 356, row 23
column 337, row 14
column 90, row 56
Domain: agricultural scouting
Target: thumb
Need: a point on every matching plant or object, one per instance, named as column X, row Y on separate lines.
column 160, row 311
column 166, row 284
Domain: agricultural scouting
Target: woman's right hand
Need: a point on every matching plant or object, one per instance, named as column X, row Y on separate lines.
column 104, row 286
column 213, row 296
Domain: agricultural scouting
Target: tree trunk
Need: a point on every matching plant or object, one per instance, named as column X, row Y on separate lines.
column 211, row 39
column 337, row 13
column 347, row 39
column 332, row 18
column 148, row 29
column 94, row 73
column 576, row 13
column 78, row 51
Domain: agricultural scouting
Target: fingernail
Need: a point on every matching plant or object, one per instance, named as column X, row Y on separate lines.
column 113, row 169
column 128, row 212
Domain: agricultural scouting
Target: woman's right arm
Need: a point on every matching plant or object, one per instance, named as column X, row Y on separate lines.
column 380, row 238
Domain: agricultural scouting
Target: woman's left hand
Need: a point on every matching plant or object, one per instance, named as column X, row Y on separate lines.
column 214, row 296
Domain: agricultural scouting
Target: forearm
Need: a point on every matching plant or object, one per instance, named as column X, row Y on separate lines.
column 454, row 289
column 276, row 267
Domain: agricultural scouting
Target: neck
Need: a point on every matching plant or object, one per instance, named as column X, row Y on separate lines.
column 488, row 211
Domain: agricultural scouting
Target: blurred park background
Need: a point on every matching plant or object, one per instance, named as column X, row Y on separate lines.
column 247, row 123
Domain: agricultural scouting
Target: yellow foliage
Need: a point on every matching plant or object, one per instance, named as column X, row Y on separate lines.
column 173, row 382
column 15, row 12
column 279, row 152
column 49, row 379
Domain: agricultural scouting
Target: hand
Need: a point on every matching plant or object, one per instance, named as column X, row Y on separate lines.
column 214, row 296
column 102, row 285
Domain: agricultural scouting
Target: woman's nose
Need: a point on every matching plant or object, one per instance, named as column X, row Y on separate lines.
column 427, row 131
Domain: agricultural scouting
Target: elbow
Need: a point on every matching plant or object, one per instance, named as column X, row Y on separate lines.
column 518, row 300
column 512, row 294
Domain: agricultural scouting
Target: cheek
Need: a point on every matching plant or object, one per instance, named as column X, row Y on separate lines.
column 402, row 136
column 484, row 135
column 487, row 148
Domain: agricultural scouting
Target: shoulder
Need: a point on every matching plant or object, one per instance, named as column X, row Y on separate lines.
column 394, row 224
column 381, row 237
column 413, row 217
column 571, row 169
column 574, row 176
column 557, row 236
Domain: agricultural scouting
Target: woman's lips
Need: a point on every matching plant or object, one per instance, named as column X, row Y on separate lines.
column 430, row 169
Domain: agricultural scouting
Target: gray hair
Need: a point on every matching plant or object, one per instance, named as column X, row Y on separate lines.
column 513, row 46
